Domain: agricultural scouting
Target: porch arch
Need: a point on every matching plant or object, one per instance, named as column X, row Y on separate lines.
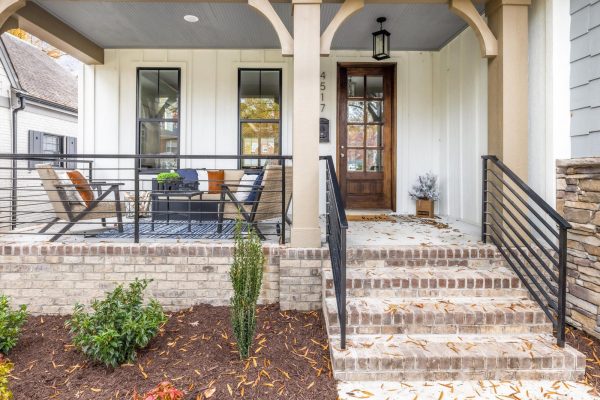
column 285, row 38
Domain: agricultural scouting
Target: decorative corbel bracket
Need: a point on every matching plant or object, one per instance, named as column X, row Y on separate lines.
column 349, row 8
column 8, row 8
column 467, row 11
column 285, row 38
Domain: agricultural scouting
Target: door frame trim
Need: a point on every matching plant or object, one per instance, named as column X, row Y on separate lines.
column 391, row 65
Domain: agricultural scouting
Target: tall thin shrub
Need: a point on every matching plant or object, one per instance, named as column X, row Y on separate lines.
column 246, row 278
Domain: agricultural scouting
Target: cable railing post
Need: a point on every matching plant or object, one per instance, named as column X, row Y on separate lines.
column 136, row 202
column 562, row 287
column 484, row 190
column 342, row 310
column 13, row 199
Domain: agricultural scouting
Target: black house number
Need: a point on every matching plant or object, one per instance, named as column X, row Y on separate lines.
column 323, row 87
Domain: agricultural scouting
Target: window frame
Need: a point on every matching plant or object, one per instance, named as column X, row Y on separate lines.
column 271, row 120
column 139, row 121
column 63, row 140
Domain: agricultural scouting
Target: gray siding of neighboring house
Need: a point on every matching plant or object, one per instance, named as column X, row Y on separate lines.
column 585, row 78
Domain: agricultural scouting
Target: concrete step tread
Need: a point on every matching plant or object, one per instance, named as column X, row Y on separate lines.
column 473, row 347
column 425, row 272
column 435, row 305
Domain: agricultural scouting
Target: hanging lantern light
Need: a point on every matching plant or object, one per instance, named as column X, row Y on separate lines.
column 381, row 42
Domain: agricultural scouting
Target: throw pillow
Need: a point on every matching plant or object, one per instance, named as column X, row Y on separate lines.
column 203, row 180
column 71, row 193
column 253, row 196
column 82, row 186
column 246, row 186
column 215, row 180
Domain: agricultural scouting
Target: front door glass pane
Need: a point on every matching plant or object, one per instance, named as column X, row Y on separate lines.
column 374, row 161
column 356, row 134
column 375, row 111
column 356, row 86
column 375, row 86
column 374, row 136
column 356, row 160
column 356, row 111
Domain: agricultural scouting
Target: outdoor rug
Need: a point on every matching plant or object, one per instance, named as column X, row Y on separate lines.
column 174, row 230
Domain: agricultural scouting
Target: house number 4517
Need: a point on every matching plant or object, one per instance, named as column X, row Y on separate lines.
column 323, row 87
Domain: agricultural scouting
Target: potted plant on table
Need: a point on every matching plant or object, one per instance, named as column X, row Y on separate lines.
column 425, row 192
column 169, row 180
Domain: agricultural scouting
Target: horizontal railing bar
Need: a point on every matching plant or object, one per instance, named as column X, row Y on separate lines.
column 550, row 316
column 69, row 157
column 530, row 192
column 518, row 260
column 525, row 230
column 525, row 217
column 527, row 259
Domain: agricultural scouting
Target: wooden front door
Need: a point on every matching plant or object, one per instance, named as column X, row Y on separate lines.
column 365, row 139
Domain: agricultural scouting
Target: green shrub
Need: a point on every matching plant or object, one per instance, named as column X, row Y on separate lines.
column 167, row 177
column 5, row 368
column 246, row 278
column 118, row 326
column 10, row 324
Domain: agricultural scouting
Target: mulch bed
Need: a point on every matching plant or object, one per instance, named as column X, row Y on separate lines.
column 590, row 346
column 195, row 351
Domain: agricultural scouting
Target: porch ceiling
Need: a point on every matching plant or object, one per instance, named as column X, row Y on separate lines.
column 134, row 24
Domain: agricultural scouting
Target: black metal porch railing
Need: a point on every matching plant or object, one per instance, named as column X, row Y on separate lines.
column 336, row 227
column 530, row 235
column 128, row 201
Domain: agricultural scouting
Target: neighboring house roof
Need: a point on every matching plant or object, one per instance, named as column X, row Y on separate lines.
column 39, row 75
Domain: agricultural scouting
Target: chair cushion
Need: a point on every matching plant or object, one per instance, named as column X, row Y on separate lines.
column 215, row 180
column 253, row 195
column 82, row 186
column 246, row 186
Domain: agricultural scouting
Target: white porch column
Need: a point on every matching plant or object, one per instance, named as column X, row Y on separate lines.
column 305, row 186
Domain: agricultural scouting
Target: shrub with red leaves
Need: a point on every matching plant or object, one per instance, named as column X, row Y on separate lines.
column 164, row 391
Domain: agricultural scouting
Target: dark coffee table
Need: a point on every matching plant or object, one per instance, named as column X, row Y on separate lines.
column 172, row 199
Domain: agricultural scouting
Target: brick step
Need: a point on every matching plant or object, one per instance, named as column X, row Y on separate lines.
column 439, row 316
column 395, row 255
column 454, row 357
column 385, row 282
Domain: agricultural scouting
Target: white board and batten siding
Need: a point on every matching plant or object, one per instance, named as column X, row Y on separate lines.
column 441, row 111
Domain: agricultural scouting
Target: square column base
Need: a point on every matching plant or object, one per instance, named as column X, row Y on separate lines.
column 306, row 237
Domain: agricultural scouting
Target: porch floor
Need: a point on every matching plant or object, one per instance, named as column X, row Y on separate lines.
column 398, row 230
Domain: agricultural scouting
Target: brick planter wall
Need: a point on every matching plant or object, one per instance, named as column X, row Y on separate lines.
column 51, row 278
column 578, row 200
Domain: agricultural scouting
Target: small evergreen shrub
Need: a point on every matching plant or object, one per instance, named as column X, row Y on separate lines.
column 163, row 391
column 5, row 368
column 118, row 325
column 11, row 322
column 246, row 278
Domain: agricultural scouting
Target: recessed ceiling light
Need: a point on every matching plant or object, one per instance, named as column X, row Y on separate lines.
column 191, row 18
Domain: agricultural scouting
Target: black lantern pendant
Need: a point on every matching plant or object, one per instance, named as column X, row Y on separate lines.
column 381, row 42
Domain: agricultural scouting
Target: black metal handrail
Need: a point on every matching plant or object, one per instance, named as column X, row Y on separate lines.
column 129, row 202
column 336, row 227
column 516, row 219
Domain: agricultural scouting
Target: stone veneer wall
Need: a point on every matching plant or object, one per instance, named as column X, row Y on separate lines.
column 51, row 278
column 578, row 200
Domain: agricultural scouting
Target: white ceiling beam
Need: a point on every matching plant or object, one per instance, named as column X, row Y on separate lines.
column 8, row 8
column 40, row 23
column 285, row 38
column 349, row 8
column 467, row 11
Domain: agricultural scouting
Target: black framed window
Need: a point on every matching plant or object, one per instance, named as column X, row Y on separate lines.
column 52, row 144
column 259, row 92
column 158, row 111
